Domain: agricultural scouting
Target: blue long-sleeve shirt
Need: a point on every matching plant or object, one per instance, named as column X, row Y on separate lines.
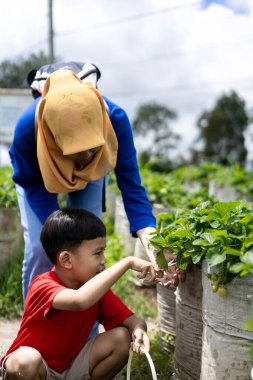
column 23, row 153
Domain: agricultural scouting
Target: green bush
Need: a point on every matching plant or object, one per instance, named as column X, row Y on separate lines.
column 8, row 196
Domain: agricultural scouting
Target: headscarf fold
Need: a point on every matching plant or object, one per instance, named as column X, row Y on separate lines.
column 72, row 118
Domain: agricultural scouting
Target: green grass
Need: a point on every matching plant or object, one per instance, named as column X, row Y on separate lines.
column 11, row 301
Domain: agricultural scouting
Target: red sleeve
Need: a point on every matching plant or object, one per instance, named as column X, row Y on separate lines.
column 40, row 296
column 112, row 311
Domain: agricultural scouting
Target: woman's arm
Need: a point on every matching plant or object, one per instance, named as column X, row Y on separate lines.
column 136, row 203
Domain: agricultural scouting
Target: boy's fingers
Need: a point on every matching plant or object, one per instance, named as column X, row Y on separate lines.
column 142, row 274
column 140, row 341
column 139, row 347
column 152, row 274
column 149, row 274
column 146, row 342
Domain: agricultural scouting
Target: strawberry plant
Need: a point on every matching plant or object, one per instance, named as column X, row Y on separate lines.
column 188, row 186
column 221, row 233
column 235, row 176
column 175, row 188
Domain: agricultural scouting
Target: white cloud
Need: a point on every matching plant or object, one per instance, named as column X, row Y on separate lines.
column 183, row 57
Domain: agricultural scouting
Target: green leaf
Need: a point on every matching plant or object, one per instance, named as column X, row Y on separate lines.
column 181, row 262
column 231, row 251
column 196, row 257
column 247, row 258
column 190, row 247
column 246, row 220
column 236, row 268
column 214, row 257
column 198, row 242
column 161, row 261
column 201, row 206
column 158, row 242
column 181, row 233
column 215, row 224
column 248, row 242
column 219, row 233
column 168, row 217
column 213, row 216
column 210, row 238
column 244, row 272
column 183, row 265
column 224, row 208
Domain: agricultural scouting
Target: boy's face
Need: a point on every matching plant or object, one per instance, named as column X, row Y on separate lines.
column 88, row 260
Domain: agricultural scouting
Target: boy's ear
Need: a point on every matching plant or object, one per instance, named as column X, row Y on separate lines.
column 64, row 259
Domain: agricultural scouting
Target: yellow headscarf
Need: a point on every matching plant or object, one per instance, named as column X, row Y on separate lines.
column 72, row 118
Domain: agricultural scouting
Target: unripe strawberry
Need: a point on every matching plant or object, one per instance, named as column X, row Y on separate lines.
column 214, row 277
column 222, row 291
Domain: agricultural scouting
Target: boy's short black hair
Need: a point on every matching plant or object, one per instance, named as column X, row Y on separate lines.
column 65, row 229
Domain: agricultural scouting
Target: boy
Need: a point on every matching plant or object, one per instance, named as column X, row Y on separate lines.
column 62, row 306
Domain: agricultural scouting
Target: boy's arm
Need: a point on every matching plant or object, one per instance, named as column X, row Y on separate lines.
column 94, row 289
column 138, row 330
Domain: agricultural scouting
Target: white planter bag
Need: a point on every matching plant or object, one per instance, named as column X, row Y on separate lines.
column 226, row 343
column 122, row 228
column 166, row 305
column 189, row 327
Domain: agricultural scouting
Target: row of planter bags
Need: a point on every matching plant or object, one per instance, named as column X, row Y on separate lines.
column 205, row 331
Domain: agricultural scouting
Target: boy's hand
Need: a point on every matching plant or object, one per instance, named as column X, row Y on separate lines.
column 146, row 269
column 140, row 338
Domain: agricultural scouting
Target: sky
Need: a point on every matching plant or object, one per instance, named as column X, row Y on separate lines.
column 178, row 53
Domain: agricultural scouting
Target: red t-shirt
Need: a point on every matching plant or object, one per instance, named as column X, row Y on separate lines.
column 59, row 335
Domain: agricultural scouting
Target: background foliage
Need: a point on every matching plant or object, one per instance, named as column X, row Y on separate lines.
column 222, row 130
column 13, row 74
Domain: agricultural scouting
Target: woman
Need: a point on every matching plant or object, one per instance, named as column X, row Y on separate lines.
column 67, row 141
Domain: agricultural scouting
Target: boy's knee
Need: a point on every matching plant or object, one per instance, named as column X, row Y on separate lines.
column 24, row 363
column 122, row 338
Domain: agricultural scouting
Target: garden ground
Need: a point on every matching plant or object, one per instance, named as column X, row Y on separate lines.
column 8, row 331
